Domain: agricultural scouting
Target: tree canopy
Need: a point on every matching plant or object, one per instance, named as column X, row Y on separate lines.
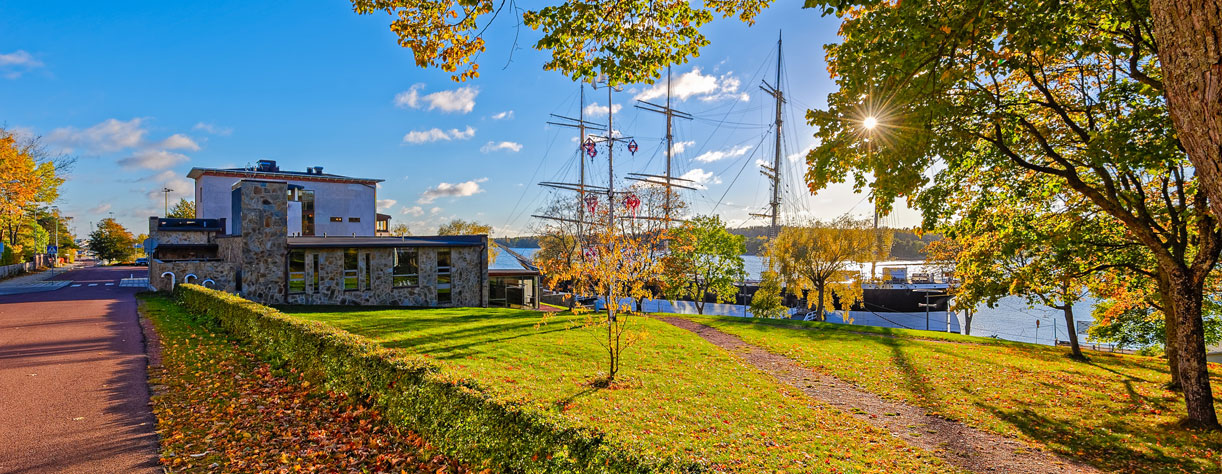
column 111, row 241
column 704, row 258
column 818, row 258
column 183, row 209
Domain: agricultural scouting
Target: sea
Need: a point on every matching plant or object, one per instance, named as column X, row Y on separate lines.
column 1012, row 318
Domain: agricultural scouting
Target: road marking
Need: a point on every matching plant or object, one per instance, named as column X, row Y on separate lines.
column 93, row 284
column 76, row 285
column 110, row 284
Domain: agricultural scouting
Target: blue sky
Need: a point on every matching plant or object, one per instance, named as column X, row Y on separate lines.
column 143, row 91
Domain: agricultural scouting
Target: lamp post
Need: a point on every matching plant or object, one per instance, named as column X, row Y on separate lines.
column 55, row 256
column 167, row 192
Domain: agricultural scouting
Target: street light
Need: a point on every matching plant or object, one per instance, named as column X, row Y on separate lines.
column 55, row 256
column 167, row 192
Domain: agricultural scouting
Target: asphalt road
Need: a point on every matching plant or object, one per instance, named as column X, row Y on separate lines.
column 73, row 386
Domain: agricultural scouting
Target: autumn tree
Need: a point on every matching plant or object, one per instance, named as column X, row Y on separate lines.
column 111, row 241
column 559, row 241
column 704, row 258
column 462, row 227
column 400, row 230
column 183, row 209
column 819, row 257
column 614, row 266
column 30, row 176
column 1062, row 90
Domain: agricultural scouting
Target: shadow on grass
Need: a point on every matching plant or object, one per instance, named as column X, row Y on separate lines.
column 1108, row 445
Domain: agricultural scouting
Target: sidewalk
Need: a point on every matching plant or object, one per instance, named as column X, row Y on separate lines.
column 35, row 282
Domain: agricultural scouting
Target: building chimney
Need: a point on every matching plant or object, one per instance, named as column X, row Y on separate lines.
column 317, row 170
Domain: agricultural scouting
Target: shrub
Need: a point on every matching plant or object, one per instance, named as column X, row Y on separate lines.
column 456, row 415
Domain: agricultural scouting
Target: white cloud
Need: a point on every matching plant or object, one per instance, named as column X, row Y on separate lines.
column 384, row 204
column 679, row 147
column 508, row 114
column 718, row 155
column 415, row 211
column 701, row 177
column 213, row 129
column 435, row 211
column 701, row 86
column 110, row 135
column 99, row 209
column 595, row 110
column 153, row 160
column 506, row 146
column 457, row 100
column 466, row 188
column 436, row 134
column 14, row 64
column 801, row 155
column 179, row 141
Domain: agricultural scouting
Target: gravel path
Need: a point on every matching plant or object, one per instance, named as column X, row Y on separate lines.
column 953, row 442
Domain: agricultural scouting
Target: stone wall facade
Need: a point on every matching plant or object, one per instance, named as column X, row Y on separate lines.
column 468, row 285
column 221, row 274
column 166, row 236
column 264, row 240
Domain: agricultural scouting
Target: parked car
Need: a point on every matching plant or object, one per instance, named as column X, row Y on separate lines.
column 142, row 261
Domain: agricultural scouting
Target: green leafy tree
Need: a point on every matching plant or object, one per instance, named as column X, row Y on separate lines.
column 768, row 302
column 183, row 209
column 111, row 241
column 818, row 258
column 704, row 259
column 1061, row 90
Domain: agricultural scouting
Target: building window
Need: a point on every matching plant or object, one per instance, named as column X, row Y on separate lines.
column 317, row 257
column 307, row 213
column 337, row 219
column 405, row 271
column 443, row 277
column 354, row 219
column 350, row 270
column 382, row 226
column 296, row 272
column 368, row 271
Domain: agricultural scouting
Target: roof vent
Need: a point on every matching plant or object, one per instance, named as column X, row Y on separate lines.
column 309, row 170
column 317, row 170
column 267, row 166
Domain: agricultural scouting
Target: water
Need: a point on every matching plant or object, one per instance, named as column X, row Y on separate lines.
column 1011, row 319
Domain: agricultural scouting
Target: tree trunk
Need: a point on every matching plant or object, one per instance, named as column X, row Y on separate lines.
column 819, row 312
column 1073, row 332
column 1171, row 342
column 1189, row 37
column 1186, row 297
column 967, row 322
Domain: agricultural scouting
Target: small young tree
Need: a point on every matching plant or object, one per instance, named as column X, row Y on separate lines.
column 614, row 265
column 704, row 258
column 817, row 257
column 400, row 230
column 183, row 209
column 111, row 241
column 767, row 302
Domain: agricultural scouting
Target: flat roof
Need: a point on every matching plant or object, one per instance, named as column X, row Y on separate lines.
column 196, row 173
column 384, row 242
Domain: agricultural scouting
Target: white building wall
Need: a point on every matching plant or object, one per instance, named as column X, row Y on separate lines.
column 343, row 200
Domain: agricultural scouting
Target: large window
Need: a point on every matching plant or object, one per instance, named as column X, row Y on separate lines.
column 306, row 198
column 350, row 269
column 317, row 257
column 443, row 277
column 368, row 271
column 405, row 271
column 296, row 271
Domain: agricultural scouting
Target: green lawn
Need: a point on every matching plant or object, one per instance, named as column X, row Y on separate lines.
column 1111, row 411
column 684, row 396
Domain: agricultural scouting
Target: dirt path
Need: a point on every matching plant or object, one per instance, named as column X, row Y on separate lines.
column 953, row 442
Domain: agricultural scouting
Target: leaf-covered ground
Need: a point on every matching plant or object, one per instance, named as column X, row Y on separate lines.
column 1112, row 411
column 220, row 409
column 678, row 394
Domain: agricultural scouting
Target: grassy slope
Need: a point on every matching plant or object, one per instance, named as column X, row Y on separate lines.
column 221, row 410
column 685, row 396
column 1111, row 411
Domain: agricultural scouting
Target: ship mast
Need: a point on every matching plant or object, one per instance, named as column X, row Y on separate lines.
column 667, row 180
column 773, row 172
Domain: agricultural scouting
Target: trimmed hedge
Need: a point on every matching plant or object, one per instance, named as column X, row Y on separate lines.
column 458, row 416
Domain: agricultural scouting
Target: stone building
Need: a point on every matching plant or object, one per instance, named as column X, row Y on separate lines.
column 261, row 260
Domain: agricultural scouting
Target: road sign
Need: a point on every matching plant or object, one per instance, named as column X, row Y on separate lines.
column 52, row 249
